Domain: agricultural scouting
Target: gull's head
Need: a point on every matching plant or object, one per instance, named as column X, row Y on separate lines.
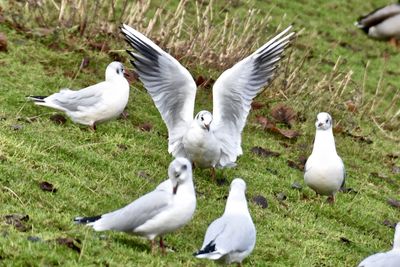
column 238, row 184
column 237, row 195
column 204, row 119
column 179, row 172
column 114, row 70
column 324, row 121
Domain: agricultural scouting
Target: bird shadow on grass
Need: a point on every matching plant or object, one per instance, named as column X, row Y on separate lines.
column 134, row 243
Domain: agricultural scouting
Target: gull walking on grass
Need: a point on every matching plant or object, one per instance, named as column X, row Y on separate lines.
column 231, row 237
column 324, row 169
column 94, row 104
column 209, row 140
column 169, row 207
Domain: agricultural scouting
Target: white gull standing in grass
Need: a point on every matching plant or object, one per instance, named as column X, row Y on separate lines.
column 324, row 169
column 231, row 237
column 169, row 207
column 390, row 258
column 94, row 104
column 209, row 140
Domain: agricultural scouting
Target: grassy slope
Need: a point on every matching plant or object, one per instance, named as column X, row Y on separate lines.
column 94, row 175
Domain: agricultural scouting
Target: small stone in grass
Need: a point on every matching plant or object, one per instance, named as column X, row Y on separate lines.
column 281, row 196
column 58, row 119
column 46, row 186
column 122, row 146
column 34, row 239
column 262, row 152
column 145, row 127
column 393, row 202
column 16, row 127
column 296, row 185
column 69, row 242
column 143, row 174
column 261, row 201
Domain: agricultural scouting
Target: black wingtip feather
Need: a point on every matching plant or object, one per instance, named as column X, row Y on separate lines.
column 36, row 98
column 207, row 249
column 85, row 220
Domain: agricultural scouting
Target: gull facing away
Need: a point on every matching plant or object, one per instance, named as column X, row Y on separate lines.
column 390, row 258
column 169, row 207
column 324, row 169
column 231, row 237
column 94, row 104
column 208, row 140
column 382, row 23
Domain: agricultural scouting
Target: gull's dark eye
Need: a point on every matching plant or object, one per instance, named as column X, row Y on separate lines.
column 326, row 121
column 184, row 168
column 202, row 119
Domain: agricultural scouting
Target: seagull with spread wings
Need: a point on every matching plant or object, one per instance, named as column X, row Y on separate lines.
column 209, row 140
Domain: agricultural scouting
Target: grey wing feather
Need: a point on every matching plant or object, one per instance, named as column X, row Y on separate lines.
column 235, row 89
column 170, row 85
column 70, row 100
column 231, row 234
column 388, row 259
column 135, row 214
column 377, row 16
column 344, row 177
column 213, row 230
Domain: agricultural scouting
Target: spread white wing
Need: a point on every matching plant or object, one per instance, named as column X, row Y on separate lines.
column 235, row 89
column 170, row 85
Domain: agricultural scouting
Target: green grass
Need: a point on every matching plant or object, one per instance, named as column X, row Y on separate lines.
column 94, row 173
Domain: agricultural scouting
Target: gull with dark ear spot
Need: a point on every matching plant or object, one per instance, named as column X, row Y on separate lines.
column 209, row 140
column 324, row 169
column 94, row 104
column 169, row 207
column 231, row 237
column 390, row 258
column 382, row 23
